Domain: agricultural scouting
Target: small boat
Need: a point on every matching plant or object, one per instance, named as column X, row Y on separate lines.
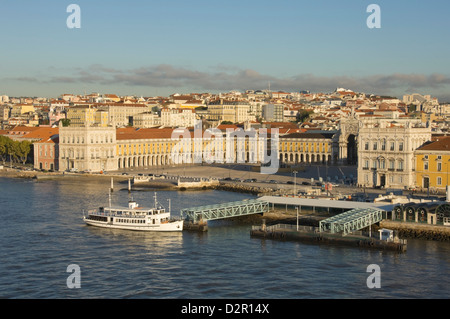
column 133, row 217
column 141, row 179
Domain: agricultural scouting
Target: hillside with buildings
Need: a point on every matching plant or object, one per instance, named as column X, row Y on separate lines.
column 393, row 142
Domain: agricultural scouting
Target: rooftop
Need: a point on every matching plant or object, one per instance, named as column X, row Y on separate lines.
column 441, row 144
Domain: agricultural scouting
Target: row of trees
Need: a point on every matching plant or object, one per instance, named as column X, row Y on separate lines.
column 14, row 150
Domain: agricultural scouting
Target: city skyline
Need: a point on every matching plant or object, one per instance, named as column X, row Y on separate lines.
column 167, row 47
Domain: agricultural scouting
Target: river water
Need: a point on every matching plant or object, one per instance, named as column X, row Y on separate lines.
column 42, row 233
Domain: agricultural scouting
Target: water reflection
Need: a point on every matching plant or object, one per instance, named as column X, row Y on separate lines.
column 153, row 240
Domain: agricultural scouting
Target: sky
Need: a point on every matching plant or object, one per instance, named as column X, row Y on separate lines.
column 157, row 47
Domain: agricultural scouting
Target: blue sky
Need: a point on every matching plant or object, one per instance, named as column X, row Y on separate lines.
column 162, row 47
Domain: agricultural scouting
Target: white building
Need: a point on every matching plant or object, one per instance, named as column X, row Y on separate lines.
column 386, row 151
column 88, row 148
column 146, row 119
column 177, row 117
column 234, row 111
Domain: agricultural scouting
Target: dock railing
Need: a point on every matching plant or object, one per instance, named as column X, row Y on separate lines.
column 312, row 229
column 289, row 227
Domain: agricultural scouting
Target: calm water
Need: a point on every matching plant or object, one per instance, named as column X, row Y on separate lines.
column 41, row 233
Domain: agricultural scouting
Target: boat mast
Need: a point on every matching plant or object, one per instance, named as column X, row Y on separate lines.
column 156, row 202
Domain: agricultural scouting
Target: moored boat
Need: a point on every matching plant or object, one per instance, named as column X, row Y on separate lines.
column 133, row 217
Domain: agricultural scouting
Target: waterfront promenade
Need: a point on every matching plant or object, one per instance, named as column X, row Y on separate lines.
column 284, row 181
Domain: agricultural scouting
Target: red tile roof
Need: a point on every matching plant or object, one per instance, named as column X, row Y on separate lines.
column 441, row 144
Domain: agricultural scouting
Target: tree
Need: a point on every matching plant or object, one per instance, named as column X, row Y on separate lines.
column 4, row 141
column 65, row 122
column 23, row 149
column 303, row 115
column 13, row 150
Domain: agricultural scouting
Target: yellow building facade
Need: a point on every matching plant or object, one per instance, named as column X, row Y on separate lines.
column 82, row 115
column 433, row 165
column 306, row 148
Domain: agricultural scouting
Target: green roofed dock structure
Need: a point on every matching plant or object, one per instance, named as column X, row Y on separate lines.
column 351, row 221
column 196, row 218
column 345, row 228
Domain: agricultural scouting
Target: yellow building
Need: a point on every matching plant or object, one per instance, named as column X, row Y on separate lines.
column 433, row 165
column 306, row 148
column 19, row 109
column 101, row 118
column 81, row 115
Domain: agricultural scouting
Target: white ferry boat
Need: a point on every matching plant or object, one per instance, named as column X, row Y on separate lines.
column 133, row 217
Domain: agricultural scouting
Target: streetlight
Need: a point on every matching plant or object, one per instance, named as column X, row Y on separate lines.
column 295, row 182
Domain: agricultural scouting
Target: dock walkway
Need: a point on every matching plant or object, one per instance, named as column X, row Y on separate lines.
column 313, row 235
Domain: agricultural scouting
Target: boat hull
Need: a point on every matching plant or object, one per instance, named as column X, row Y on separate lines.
column 164, row 227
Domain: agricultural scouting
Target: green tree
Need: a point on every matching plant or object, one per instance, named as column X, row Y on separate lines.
column 303, row 115
column 23, row 149
column 4, row 147
column 65, row 122
column 13, row 150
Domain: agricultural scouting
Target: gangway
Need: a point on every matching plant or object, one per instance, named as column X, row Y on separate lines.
column 351, row 221
column 225, row 210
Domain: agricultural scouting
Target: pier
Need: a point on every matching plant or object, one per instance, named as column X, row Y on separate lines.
column 344, row 228
column 196, row 218
column 313, row 235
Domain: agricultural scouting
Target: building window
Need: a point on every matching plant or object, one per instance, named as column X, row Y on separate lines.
column 439, row 180
column 425, row 166
column 375, row 146
column 391, row 164
column 439, row 166
column 400, row 146
column 366, row 164
column 392, row 148
column 400, row 165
